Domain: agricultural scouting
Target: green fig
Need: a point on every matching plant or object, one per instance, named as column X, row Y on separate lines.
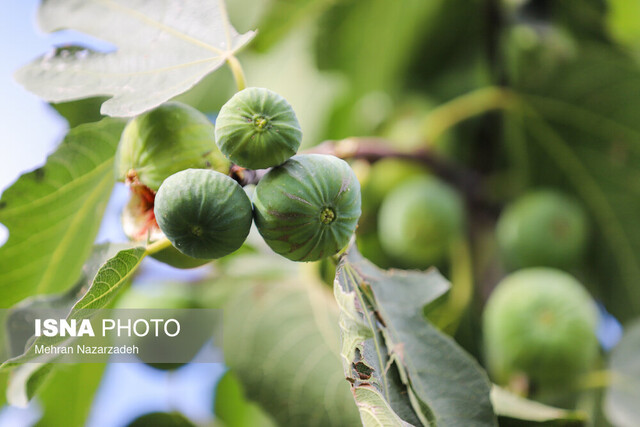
column 542, row 228
column 205, row 214
column 166, row 140
column 308, row 208
column 540, row 322
column 257, row 129
column 419, row 220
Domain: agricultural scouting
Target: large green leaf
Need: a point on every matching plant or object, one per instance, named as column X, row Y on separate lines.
column 581, row 126
column 623, row 395
column 164, row 47
column 281, row 340
column 442, row 384
column 53, row 213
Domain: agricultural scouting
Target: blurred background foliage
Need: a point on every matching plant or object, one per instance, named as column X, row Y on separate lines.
column 505, row 96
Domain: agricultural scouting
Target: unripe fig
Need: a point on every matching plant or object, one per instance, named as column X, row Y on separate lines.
column 257, row 129
column 139, row 225
column 419, row 220
column 166, row 140
column 540, row 322
column 205, row 214
column 542, row 228
column 308, row 208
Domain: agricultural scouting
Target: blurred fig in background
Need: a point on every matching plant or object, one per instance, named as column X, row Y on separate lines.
column 540, row 323
column 419, row 220
column 542, row 228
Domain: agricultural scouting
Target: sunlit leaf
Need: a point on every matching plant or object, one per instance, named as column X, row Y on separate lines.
column 53, row 213
column 163, row 48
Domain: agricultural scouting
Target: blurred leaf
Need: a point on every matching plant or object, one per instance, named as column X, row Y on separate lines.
column 281, row 340
column 623, row 22
column 81, row 111
column 25, row 381
column 111, row 276
column 358, row 37
column 622, row 396
column 582, row 128
column 232, row 407
column 67, row 397
column 281, row 16
column 161, row 419
column 96, row 289
column 431, row 366
column 53, row 213
column 517, row 411
column 164, row 48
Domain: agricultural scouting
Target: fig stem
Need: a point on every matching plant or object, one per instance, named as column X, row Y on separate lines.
column 238, row 73
column 157, row 246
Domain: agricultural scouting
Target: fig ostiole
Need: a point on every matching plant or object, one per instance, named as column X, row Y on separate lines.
column 257, row 129
column 419, row 220
column 203, row 213
column 166, row 140
column 540, row 322
column 542, row 228
column 308, row 208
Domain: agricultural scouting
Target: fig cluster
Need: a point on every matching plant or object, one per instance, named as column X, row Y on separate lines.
column 177, row 164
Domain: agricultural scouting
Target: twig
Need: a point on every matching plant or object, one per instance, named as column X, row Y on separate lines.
column 468, row 182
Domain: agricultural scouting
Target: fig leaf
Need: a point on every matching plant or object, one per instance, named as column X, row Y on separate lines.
column 164, row 47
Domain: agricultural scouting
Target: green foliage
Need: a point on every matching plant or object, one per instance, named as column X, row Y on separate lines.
column 281, row 340
column 579, row 126
column 257, row 129
column 401, row 368
column 67, row 397
column 541, row 323
column 308, row 208
column 54, row 212
column 516, row 411
column 204, row 213
column 161, row 419
column 232, row 407
column 623, row 394
column 196, row 39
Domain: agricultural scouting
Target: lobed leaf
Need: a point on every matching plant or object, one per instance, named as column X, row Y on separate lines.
column 164, row 47
column 53, row 213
